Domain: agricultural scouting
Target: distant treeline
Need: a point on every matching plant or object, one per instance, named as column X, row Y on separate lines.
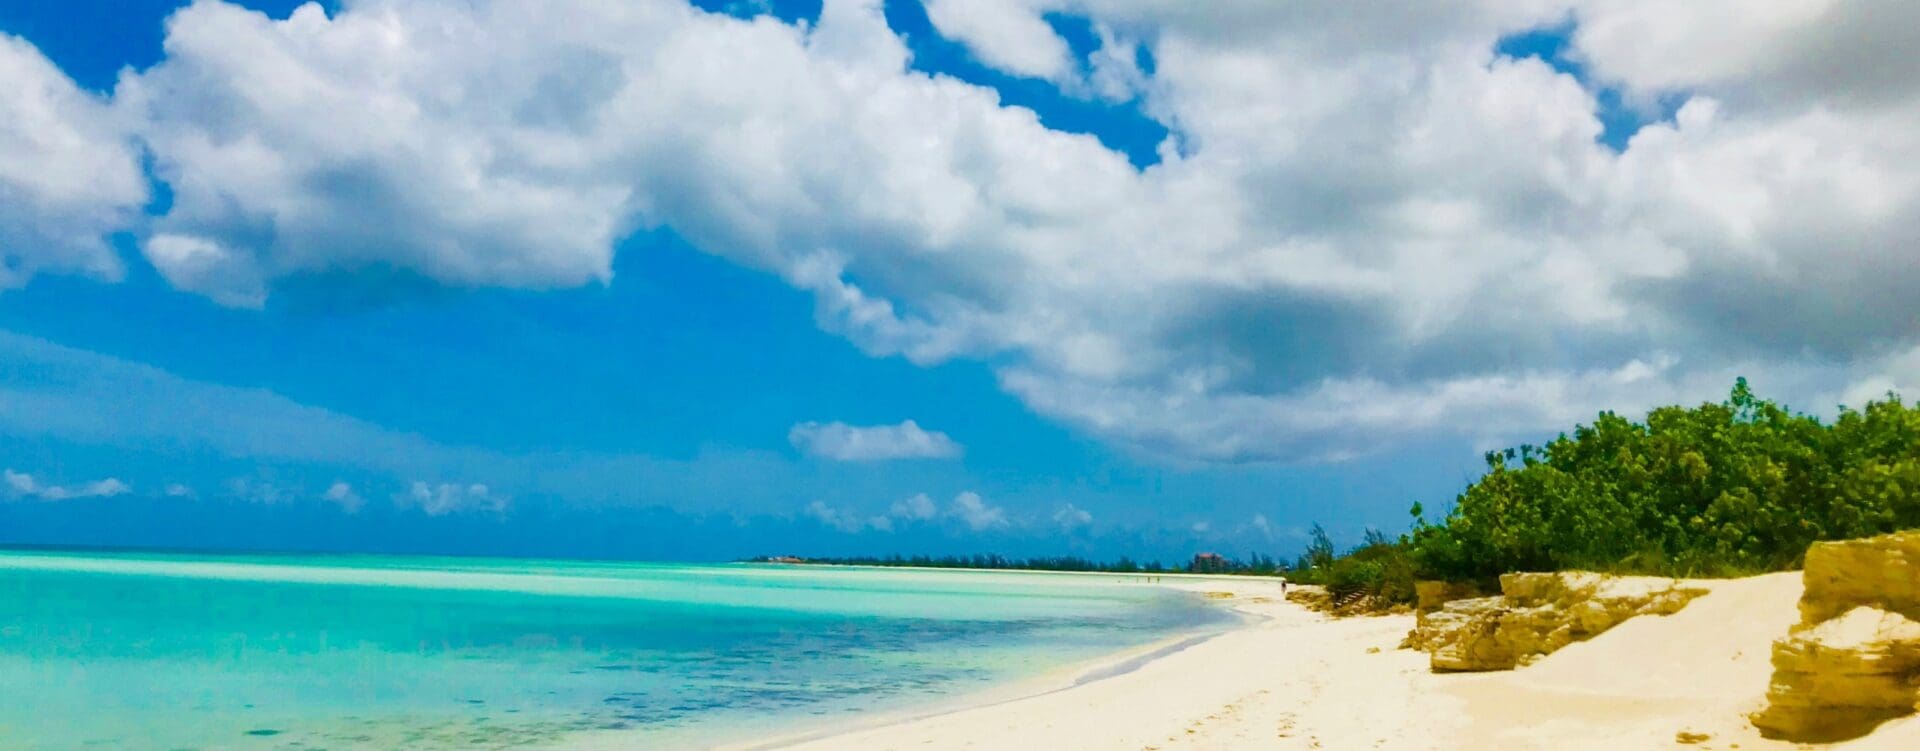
column 1730, row 488
column 1204, row 563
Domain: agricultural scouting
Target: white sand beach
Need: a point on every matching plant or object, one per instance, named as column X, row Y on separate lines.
column 1293, row 679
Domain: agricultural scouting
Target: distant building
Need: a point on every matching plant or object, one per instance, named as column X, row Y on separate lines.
column 1208, row 563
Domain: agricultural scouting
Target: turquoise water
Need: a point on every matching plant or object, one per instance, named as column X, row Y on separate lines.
column 161, row 651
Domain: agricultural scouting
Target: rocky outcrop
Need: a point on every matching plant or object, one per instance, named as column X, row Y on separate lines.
column 1853, row 661
column 1537, row 614
column 1430, row 595
column 1842, row 678
column 1883, row 572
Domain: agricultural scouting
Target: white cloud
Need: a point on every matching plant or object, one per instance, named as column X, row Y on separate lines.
column 1788, row 53
column 967, row 509
column 343, row 494
column 199, row 264
column 847, row 521
column 68, row 173
column 102, row 488
column 976, row 513
column 178, row 490
column 20, row 483
column 842, row 442
column 1006, row 34
column 1071, row 517
column 23, row 485
column 1366, row 228
column 916, row 508
column 1115, row 67
column 450, row 498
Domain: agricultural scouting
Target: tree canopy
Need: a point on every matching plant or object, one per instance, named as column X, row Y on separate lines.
column 1740, row 486
column 1735, row 487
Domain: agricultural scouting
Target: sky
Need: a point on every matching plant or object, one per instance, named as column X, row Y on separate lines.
column 644, row 279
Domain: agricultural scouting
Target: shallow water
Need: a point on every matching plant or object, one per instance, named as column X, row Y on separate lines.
column 161, row 651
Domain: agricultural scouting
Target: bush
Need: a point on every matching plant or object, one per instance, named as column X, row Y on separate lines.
column 1723, row 489
column 1736, row 487
column 1380, row 568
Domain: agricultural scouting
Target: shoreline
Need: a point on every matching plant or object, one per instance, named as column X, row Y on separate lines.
column 1255, row 602
column 1052, row 681
column 1288, row 678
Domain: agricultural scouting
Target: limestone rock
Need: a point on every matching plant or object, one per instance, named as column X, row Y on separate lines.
column 1430, row 595
column 1853, row 662
column 1880, row 571
column 1537, row 614
column 1842, row 678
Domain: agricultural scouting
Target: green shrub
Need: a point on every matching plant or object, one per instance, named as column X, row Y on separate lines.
column 1740, row 486
column 1723, row 489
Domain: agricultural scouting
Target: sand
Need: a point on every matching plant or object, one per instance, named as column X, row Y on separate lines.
column 1292, row 679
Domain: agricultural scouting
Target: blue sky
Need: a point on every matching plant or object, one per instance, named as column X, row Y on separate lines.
column 726, row 337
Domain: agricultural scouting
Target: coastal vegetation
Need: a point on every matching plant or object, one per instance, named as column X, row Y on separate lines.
column 1736, row 487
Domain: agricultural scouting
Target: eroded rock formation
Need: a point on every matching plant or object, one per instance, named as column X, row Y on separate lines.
column 1853, row 661
column 1431, row 595
column 1537, row 614
column 1883, row 572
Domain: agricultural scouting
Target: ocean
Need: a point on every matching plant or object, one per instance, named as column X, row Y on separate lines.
column 176, row 651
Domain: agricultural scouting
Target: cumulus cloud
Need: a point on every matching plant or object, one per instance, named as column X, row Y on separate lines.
column 101, row 488
column 967, row 510
column 915, row 508
column 972, row 510
column 1785, row 54
column 847, row 443
column 847, row 521
column 69, row 174
column 1366, row 226
column 1005, row 34
column 343, row 495
column 23, row 485
column 1071, row 517
column 20, row 483
column 450, row 498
